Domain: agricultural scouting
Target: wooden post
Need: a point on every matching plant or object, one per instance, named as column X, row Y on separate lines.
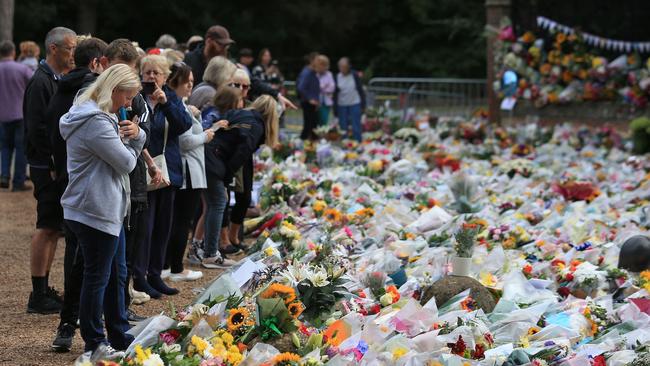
column 495, row 10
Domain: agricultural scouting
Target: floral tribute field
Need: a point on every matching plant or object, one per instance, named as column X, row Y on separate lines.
column 353, row 236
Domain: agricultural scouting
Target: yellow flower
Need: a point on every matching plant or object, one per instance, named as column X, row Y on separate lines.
column 376, row 165
column 319, row 205
column 200, row 344
column 141, row 355
column 285, row 358
column 227, row 337
column 399, row 353
column 270, row 251
column 236, row 319
column 487, row 279
column 351, row 155
column 332, row 215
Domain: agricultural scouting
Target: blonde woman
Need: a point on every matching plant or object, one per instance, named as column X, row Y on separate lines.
column 219, row 71
column 231, row 147
column 29, row 54
column 102, row 151
column 170, row 120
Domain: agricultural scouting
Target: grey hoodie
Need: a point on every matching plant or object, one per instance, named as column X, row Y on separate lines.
column 98, row 168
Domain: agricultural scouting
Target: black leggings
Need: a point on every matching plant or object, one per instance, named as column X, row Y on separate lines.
column 310, row 121
column 243, row 199
column 185, row 206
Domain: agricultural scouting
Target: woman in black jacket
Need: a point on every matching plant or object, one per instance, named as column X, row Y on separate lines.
column 231, row 147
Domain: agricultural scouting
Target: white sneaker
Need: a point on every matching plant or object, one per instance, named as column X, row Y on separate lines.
column 138, row 297
column 217, row 262
column 106, row 352
column 165, row 273
column 187, row 275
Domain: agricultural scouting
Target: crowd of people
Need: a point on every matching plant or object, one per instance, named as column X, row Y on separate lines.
column 133, row 154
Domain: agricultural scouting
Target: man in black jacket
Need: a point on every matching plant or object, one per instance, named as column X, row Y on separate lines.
column 60, row 43
column 217, row 42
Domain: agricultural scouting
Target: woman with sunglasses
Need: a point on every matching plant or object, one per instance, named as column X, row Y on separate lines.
column 170, row 120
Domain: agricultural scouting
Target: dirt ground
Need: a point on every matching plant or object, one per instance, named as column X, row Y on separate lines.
column 25, row 338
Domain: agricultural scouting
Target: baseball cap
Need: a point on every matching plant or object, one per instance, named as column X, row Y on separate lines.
column 219, row 34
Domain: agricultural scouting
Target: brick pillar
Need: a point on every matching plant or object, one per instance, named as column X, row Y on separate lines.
column 495, row 10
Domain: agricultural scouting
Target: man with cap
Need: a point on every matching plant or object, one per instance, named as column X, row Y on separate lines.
column 217, row 42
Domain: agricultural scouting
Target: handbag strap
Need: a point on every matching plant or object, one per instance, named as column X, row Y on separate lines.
column 165, row 138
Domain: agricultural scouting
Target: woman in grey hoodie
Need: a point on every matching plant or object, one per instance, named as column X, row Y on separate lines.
column 102, row 151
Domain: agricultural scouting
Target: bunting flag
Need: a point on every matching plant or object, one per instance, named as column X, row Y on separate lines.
column 594, row 40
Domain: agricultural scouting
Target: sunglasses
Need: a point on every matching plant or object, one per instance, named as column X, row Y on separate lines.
column 240, row 86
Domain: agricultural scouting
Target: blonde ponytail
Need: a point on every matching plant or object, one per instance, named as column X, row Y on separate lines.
column 268, row 108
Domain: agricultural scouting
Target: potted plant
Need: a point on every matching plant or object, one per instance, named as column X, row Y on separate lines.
column 461, row 263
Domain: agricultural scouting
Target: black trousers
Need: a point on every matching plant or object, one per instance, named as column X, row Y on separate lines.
column 310, row 121
column 242, row 199
column 186, row 204
column 135, row 229
column 73, row 271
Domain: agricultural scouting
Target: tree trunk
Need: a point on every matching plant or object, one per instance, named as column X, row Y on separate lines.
column 87, row 17
column 6, row 20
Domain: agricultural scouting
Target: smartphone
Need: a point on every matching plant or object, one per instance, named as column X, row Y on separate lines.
column 148, row 87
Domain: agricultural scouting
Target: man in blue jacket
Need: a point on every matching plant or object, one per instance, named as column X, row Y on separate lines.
column 309, row 91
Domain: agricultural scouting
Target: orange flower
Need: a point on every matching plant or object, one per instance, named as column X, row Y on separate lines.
column 295, row 309
column 285, row 358
column 337, row 333
column 332, row 215
column 394, row 293
column 237, row 318
column 279, row 290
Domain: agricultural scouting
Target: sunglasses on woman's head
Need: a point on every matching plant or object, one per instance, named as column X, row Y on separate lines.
column 239, row 86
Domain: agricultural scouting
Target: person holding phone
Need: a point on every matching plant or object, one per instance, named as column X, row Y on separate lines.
column 96, row 201
column 247, row 130
column 188, row 197
column 170, row 120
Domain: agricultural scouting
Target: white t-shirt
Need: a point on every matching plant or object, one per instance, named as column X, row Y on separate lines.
column 348, row 94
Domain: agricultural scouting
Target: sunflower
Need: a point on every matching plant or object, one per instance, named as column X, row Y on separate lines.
column 319, row 206
column 237, row 318
column 295, row 309
column 279, row 290
column 332, row 215
column 286, row 358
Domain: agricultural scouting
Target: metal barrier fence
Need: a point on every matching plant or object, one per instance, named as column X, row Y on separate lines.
column 453, row 97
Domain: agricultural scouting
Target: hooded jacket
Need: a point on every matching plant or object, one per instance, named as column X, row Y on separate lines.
column 60, row 104
column 98, row 167
column 234, row 145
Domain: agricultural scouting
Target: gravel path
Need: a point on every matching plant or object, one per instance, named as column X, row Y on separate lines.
column 25, row 338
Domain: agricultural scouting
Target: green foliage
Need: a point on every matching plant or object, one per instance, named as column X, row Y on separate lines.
column 383, row 37
column 640, row 128
column 465, row 240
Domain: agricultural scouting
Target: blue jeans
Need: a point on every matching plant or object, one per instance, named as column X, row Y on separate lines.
column 350, row 114
column 217, row 200
column 102, row 291
column 12, row 138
